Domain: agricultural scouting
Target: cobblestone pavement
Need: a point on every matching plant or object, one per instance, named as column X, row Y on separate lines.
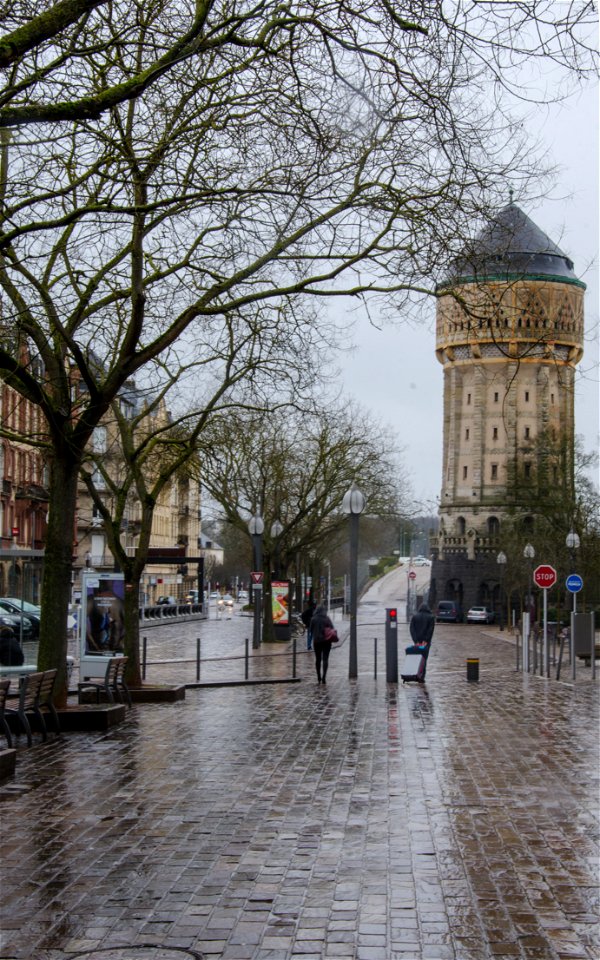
column 355, row 821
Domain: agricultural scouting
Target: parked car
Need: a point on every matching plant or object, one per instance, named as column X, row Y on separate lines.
column 448, row 611
column 421, row 562
column 33, row 613
column 167, row 600
column 480, row 615
column 14, row 622
column 243, row 596
column 215, row 595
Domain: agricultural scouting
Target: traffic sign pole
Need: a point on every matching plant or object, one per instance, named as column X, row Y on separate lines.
column 544, row 577
column 574, row 584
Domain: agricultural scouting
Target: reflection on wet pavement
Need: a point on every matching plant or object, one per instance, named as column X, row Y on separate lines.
column 356, row 820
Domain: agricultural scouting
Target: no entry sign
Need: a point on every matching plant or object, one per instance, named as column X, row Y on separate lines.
column 412, row 575
column 544, row 576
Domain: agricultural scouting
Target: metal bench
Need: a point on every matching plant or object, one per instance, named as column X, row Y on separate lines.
column 112, row 684
column 35, row 696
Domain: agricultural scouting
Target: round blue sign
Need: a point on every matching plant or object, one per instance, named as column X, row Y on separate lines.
column 574, row 583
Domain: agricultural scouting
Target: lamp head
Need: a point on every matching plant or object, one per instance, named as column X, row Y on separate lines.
column 353, row 502
column 256, row 525
column 573, row 542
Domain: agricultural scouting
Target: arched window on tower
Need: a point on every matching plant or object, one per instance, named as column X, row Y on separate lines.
column 493, row 525
column 527, row 524
column 461, row 526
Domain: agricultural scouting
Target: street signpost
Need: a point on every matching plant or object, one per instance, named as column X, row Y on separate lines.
column 256, row 578
column 545, row 578
column 574, row 583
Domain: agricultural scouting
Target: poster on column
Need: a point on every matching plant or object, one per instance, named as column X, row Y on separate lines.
column 280, row 599
column 280, row 606
column 102, row 619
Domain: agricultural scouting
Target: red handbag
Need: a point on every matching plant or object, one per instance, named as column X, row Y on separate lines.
column 330, row 635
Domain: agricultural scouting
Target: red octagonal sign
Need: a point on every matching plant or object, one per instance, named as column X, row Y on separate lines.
column 544, row 576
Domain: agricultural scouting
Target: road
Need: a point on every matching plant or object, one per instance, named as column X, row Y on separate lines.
column 391, row 591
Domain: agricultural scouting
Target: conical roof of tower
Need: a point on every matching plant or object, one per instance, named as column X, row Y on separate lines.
column 512, row 245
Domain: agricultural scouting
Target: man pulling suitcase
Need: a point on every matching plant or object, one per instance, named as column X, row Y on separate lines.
column 422, row 625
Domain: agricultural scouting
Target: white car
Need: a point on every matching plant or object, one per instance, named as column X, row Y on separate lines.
column 480, row 615
column 421, row 562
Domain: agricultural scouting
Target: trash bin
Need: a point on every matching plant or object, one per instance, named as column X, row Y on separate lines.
column 472, row 670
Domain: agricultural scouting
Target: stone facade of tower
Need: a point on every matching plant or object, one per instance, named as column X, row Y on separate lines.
column 509, row 334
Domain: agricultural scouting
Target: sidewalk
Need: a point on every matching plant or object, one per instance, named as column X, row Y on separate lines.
column 354, row 821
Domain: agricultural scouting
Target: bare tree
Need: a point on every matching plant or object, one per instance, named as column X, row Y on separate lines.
column 256, row 364
column 295, row 467
column 163, row 166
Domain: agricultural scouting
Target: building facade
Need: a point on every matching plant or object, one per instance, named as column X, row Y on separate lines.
column 176, row 519
column 23, row 498
column 509, row 335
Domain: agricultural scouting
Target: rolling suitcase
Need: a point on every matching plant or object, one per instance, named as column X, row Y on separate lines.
column 413, row 668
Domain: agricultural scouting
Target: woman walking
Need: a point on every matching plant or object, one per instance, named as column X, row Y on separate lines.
column 321, row 646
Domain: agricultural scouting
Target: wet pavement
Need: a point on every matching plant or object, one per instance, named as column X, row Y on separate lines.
column 355, row 821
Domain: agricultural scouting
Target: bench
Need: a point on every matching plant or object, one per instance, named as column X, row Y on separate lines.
column 112, row 684
column 35, row 696
column 4, row 688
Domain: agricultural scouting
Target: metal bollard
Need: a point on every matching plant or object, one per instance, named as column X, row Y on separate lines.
column 294, row 657
column 375, row 658
column 246, row 658
column 144, row 656
column 472, row 670
column 197, row 659
column 517, row 648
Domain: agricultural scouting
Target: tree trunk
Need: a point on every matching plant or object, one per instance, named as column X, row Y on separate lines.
column 56, row 586
column 132, row 625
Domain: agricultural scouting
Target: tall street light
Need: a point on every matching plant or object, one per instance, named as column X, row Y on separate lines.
column 573, row 543
column 501, row 559
column 353, row 505
column 529, row 554
column 256, row 527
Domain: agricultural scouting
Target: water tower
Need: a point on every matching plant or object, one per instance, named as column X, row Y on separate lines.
column 509, row 335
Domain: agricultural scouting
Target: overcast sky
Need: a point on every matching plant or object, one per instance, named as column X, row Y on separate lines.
column 394, row 372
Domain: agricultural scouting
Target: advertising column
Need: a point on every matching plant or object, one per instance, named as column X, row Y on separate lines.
column 102, row 620
column 280, row 601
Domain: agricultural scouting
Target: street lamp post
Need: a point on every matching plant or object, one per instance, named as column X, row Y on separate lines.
column 256, row 528
column 501, row 559
column 573, row 543
column 353, row 505
column 529, row 554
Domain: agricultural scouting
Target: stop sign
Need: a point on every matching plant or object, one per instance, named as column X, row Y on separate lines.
column 544, row 576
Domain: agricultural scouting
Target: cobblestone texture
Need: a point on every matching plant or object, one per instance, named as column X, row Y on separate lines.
column 352, row 821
